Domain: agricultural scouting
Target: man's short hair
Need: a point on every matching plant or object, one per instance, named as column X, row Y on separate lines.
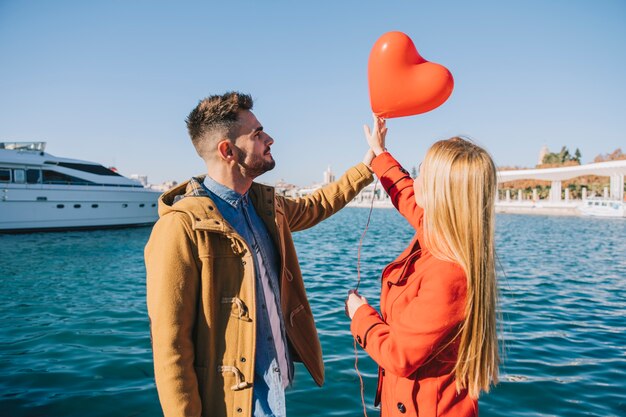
column 216, row 114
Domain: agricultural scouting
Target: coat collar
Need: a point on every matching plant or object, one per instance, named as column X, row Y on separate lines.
column 192, row 198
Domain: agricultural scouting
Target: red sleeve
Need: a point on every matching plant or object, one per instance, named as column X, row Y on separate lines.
column 416, row 331
column 399, row 185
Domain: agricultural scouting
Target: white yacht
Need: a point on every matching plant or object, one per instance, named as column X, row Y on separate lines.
column 602, row 207
column 39, row 191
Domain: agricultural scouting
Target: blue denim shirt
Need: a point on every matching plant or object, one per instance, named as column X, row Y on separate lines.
column 269, row 382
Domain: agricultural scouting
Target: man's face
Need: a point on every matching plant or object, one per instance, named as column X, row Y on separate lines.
column 253, row 146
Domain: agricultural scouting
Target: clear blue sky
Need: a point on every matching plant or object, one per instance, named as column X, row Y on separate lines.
column 112, row 81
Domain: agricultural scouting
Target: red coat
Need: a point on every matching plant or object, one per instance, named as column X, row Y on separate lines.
column 422, row 305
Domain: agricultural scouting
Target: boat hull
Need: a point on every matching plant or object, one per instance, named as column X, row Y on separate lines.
column 51, row 208
column 603, row 208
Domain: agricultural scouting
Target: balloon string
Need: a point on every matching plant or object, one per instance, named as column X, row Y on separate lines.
column 356, row 366
column 358, row 274
column 358, row 257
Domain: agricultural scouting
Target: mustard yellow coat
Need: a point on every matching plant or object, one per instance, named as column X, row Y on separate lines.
column 201, row 294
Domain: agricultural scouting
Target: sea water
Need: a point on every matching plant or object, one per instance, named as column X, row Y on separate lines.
column 74, row 336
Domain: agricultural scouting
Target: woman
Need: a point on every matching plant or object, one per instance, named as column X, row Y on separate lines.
column 435, row 340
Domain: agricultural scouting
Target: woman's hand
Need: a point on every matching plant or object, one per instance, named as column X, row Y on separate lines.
column 376, row 137
column 368, row 158
column 353, row 302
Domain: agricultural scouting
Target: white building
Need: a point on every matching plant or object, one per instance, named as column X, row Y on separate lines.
column 328, row 176
column 542, row 154
column 143, row 179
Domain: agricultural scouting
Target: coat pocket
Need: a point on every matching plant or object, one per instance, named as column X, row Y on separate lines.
column 294, row 313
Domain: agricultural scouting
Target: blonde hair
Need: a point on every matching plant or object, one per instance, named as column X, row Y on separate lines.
column 458, row 187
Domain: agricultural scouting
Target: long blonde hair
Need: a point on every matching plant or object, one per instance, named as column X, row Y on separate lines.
column 458, row 187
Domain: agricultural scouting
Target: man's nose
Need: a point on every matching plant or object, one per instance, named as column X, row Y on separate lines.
column 268, row 139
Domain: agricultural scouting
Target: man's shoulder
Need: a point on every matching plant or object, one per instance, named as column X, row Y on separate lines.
column 173, row 222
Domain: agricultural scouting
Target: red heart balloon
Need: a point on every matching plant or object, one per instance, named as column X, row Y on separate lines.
column 401, row 82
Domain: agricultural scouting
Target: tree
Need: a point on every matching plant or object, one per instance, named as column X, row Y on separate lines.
column 561, row 157
column 564, row 155
column 413, row 172
column 616, row 155
column 577, row 155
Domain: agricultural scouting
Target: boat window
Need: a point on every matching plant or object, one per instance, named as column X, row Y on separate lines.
column 124, row 205
column 53, row 177
column 5, row 175
column 24, row 146
column 90, row 168
column 142, row 205
column 76, row 205
column 19, row 176
column 33, row 176
column 60, row 205
column 94, row 206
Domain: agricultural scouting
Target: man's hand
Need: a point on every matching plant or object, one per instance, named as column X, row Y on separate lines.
column 353, row 302
column 376, row 137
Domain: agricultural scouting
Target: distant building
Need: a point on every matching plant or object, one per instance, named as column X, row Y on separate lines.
column 143, row 179
column 285, row 189
column 165, row 186
column 328, row 176
column 542, row 153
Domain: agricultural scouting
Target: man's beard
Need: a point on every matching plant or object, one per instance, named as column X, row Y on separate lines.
column 253, row 166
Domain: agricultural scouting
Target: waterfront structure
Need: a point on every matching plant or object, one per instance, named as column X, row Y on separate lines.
column 372, row 196
column 615, row 170
column 39, row 191
column 556, row 204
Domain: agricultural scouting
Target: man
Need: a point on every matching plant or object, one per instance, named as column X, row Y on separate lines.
column 226, row 300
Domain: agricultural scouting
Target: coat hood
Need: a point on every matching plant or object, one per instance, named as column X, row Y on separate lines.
column 192, row 199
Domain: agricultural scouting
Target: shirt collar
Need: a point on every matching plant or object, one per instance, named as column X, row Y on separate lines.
column 232, row 197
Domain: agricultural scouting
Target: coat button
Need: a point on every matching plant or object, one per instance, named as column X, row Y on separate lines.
column 401, row 408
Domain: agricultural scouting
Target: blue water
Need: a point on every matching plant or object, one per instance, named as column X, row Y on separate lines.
column 74, row 337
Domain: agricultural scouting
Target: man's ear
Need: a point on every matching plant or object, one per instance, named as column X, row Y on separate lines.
column 225, row 150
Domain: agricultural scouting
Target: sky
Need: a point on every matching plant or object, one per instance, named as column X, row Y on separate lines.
column 113, row 81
